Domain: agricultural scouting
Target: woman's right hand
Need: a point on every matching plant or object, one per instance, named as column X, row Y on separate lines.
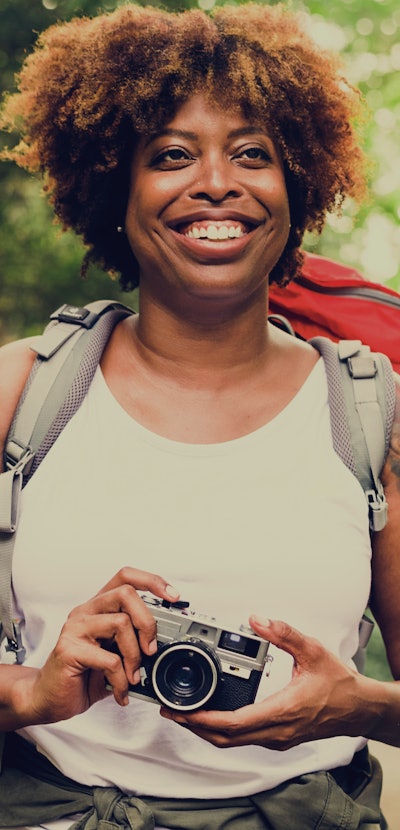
column 76, row 671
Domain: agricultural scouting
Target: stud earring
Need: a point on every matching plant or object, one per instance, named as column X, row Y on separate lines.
column 120, row 229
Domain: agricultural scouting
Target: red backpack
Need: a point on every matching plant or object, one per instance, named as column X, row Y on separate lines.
column 336, row 301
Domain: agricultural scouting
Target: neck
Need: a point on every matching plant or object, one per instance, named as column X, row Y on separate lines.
column 207, row 350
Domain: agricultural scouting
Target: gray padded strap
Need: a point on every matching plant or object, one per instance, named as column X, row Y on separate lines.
column 363, row 371
column 361, row 399
column 52, row 394
column 29, row 411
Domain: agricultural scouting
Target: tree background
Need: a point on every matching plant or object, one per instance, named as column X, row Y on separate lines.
column 40, row 265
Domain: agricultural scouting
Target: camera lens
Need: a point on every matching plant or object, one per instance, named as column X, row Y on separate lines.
column 185, row 675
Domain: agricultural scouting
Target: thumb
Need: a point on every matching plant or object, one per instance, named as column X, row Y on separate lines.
column 284, row 636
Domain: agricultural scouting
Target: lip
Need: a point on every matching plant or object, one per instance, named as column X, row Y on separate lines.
column 211, row 251
column 215, row 215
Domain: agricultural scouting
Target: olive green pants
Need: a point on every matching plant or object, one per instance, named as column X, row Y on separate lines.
column 33, row 791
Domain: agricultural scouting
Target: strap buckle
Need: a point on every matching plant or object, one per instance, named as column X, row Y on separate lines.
column 15, row 645
column 362, row 366
column 378, row 507
column 18, row 457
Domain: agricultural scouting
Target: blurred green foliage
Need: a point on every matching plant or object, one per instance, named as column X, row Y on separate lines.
column 40, row 265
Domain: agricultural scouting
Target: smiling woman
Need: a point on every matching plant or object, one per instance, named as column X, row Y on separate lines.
column 93, row 86
column 191, row 152
column 208, row 208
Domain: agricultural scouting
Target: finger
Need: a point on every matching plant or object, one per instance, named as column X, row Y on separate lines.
column 273, row 711
column 114, row 631
column 245, row 726
column 124, row 599
column 304, row 650
column 227, row 732
column 110, row 664
column 74, row 656
column 221, row 722
column 142, row 581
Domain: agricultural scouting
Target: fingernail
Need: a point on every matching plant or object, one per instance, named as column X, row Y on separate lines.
column 171, row 592
column 136, row 677
column 261, row 621
column 153, row 646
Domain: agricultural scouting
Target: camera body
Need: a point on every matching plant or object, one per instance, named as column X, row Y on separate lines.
column 199, row 663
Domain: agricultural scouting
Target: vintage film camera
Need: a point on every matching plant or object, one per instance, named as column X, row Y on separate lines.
column 200, row 664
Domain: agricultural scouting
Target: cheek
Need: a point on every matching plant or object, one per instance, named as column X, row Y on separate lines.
column 279, row 197
column 137, row 213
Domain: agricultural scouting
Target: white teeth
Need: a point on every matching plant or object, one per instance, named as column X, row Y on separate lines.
column 213, row 232
column 223, row 233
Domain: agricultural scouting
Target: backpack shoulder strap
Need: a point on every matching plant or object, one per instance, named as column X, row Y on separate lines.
column 68, row 353
column 362, row 400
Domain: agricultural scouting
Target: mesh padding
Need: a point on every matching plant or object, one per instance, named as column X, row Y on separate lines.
column 337, row 405
column 97, row 339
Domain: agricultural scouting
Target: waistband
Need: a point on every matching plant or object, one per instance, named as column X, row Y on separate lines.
column 33, row 791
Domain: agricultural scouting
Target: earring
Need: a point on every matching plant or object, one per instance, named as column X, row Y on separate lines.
column 120, row 229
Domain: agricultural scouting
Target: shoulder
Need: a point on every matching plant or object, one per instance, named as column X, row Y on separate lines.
column 16, row 360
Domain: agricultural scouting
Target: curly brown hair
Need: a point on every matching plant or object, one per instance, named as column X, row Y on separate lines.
column 91, row 86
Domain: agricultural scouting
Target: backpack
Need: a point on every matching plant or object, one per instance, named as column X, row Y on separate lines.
column 334, row 300
column 361, row 399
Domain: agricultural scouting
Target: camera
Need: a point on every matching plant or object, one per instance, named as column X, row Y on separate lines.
column 200, row 664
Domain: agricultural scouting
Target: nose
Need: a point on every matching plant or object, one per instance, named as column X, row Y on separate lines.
column 215, row 180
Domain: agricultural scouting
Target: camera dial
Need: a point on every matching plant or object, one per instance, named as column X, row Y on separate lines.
column 185, row 674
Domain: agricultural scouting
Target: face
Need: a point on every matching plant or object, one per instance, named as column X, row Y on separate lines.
column 208, row 212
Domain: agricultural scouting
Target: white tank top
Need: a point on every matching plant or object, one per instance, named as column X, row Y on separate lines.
column 271, row 523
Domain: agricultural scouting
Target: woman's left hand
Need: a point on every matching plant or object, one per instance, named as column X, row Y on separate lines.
column 323, row 699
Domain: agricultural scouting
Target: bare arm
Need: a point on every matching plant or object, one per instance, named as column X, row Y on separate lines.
column 16, row 360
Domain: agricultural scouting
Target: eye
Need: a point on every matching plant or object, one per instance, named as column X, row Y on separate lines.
column 172, row 157
column 253, row 156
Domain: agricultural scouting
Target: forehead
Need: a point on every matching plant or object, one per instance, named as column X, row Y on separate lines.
column 202, row 114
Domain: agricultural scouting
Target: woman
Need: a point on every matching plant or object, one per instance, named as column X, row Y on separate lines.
column 193, row 152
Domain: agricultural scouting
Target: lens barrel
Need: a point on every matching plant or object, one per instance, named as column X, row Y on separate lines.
column 185, row 674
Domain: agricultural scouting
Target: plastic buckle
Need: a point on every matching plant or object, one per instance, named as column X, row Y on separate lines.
column 18, row 457
column 15, row 645
column 378, row 508
column 79, row 315
column 362, row 367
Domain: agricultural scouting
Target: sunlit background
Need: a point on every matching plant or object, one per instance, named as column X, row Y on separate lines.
column 39, row 266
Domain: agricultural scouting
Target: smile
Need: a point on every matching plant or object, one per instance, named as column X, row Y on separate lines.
column 214, row 230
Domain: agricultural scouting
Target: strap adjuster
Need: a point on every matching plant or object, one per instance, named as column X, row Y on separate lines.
column 14, row 644
column 18, row 457
column 79, row 315
column 378, row 507
column 362, row 367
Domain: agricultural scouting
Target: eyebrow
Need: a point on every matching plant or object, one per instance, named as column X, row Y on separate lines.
column 189, row 136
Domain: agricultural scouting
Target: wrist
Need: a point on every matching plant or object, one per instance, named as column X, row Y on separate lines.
column 381, row 710
column 21, row 710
